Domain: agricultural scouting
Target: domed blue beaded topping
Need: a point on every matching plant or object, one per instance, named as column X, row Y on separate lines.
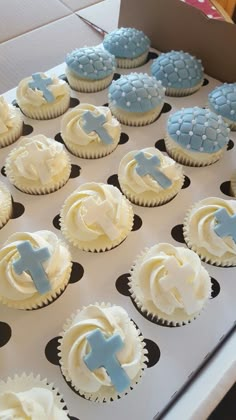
column 198, row 130
column 91, row 63
column 136, row 92
column 177, row 69
column 126, row 43
column 222, row 100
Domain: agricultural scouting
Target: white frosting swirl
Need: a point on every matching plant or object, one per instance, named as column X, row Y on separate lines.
column 72, row 130
column 7, row 116
column 200, row 224
column 28, row 96
column 38, row 159
column 74, row 347
column 96, row 210
column 16, row 287
column 171, row 278
column 139, row 184
column 34, row 404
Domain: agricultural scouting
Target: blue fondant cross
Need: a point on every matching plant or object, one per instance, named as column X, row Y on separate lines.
column 226, row 225
column 103, row 354
column 148, row 166
column 95, row 123
column 30, row 261
column 41, row 84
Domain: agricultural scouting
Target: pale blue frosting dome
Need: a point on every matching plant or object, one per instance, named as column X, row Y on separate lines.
column 222, row 101
column 91, row 63
column 126, row 43
column 177, row 69
column 136, row 92
column 198, row 130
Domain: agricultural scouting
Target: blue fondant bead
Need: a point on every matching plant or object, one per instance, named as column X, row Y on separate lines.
column 177, row 70
column 149, row 166
column 198, row 130
column 126, row 43
column 103, row 354
column 41, row 83
column 30, row 261
column 222, row 100
column 226, row 224
column 136, row 92
column 91, row 63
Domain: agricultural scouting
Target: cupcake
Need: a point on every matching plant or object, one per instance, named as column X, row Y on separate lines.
column 11, row 123
column 101, row 352
column 30, row 397
column 90, row 131
column 5, row 205
column 41, row 97
column 210, row 231
column 149, row 178
column 96, row 217
column 38, row 165
column 233, row 184
column 170, row 284
column 90, row 69
column 180, row 73
column 130, row 47
column 222, row 101
column 35, row 269
column 196, row 136
column 136, row 99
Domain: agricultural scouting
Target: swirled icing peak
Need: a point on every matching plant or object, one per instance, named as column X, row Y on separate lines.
column 177, row 69
column 91, row 63
column 126, row 43
column 222, row 101
column 198, row 130
column 6, row 116
column 136, row 92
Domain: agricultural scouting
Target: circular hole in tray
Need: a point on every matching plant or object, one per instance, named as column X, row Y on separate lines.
column 123, row 138
column 154, row 352
column 74, row 102
column 5, row 333
column 56, row 223
column 225, row 188
column 18, row 209
column 186, row 183
column 160, row 145
column 51, row 351
column 215, row 288
column 75, row 171
column 122, row 284
column 113, row 180
column 230, row 145
column 177, row 234
column 137, row 223
column 3, row 171
column 77, row 272
column 27, row 129
column 205, row 82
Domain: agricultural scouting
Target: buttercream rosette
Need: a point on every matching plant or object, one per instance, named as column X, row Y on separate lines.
column 11, row 123
column 20, row 290
column 110, row 320
column 38, row 165
column 96, row 217
column 95, row 142
column 5, row 205
column 169, row 284
column 30, row 397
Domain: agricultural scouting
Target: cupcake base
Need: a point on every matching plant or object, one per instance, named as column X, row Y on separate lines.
column 6, row 205
column 129, row 63
column 197, row 159
column 15, row 131
column 84, row 85
column 48, row 110
column 135, row 118
column 91, row 151
column 182, row 92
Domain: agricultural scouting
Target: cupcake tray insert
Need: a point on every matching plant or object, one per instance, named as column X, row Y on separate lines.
column 28, row 339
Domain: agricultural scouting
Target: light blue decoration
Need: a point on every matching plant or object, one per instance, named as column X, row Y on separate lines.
column 103, row 354
column 148, row 166
column 222, row 100
column 41, row 84
column 177, row 69
column 91, row 63
column 226, row 225
column 30, row 261
column 198, row 130
column 126, row 43
column 136, row 92
column 95, row 123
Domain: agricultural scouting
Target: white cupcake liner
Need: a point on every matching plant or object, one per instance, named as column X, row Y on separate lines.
column 202, row 252
column 150, row 198
column 85, row 85
column 129, row 63
column 6, row 206
column 93, row 151
column 105, row 394
column 36, row 188
column 25, row 382
column 177, row 319
column 233, row 184
column 135, row 118
column 101, row 244
column 49, row 110
column 14, row 132
column 187, row 158
column 40, row 301
column 180, row 92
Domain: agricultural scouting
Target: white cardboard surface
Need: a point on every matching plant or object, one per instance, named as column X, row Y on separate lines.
column 75, row 5
column 105, row 15
column 18, row 17
column 182, row 349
